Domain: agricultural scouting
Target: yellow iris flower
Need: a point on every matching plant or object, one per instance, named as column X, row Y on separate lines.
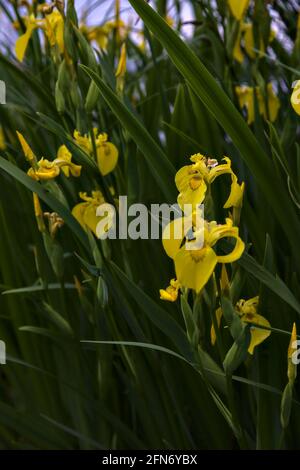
column 247, row 309
column 85, row 212
column 245, row 96
column 194, row 267
column 107, row 152
column 238, row 8
column 245, row 37
column 171, row 292
column 295, row 98
column 44, row 169
column 193, row 180
column 52, row 25
column 100, row 34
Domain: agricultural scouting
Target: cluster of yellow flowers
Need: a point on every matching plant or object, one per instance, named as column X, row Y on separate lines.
column 44, row 170
column 267, row 107
column 194, row 266
column 107, row 158
column 53, row 26
column 106, row 152
column 267, row 102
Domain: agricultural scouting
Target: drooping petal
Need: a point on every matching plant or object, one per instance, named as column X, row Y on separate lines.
column 22, row 41
column 107, row 157
column 258, row 335
column 217, row 232
column 224, row 168
column 193, row 269
column 173, row 236
column 246, row 100
column 78, row 212
column 91, row 219
column 235, row 254
column 235, row 198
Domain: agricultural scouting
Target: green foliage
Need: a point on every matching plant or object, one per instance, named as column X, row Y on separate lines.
column 94, row 358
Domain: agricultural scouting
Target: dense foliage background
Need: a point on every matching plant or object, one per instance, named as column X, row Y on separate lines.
column 151, row 378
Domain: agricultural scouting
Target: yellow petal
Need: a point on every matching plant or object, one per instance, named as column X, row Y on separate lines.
column 238, row 8
column 78, row 212
column 213, row 336
column 54, row 28
column 235, row 198
column 44, row 173
column 292, row 367
column 238, row 54
column 217, row 232
column 83, row 141
column 173, row 236
column 224, row 168
column 2, row 140
column 273, row 103
column 191, row 186
column 258, row 335
column 249, row 40
column 64, row 162
column 29, row 155
column 295, row 98
column 291, row 348
column 235, row 254
column 91, row 220
column 107, row 156
column 193, row 269
column 224, row 281
column 246, row 100
column 121, row 69
column 170, row 294
column 22, row 42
